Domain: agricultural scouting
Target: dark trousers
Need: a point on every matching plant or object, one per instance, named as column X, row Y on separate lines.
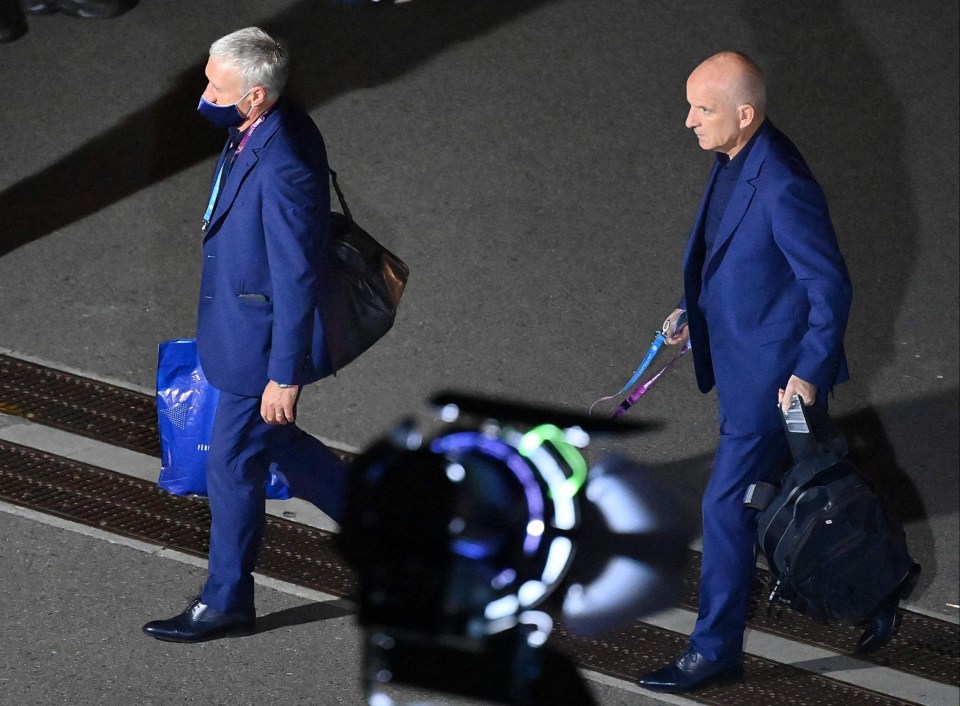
column 730, row 529
column 243, row 451
column 729, row 539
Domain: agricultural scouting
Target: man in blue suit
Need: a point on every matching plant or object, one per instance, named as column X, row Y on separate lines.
column 767, row 296
column 259, row 332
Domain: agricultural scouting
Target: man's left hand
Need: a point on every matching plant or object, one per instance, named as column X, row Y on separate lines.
column 797, row 386
column 277, row 403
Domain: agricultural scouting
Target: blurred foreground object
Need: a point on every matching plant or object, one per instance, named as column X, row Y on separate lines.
column 84, row 9
column 13, row 23
column 465, row 538
column 373, row 2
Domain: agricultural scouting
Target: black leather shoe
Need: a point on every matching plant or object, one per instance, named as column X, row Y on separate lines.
column 84, row 9
column 200, row 622
column 690, row 672
column 12, row 23
column 882, row 626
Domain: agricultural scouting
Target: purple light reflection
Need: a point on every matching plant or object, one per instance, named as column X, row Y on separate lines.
column 474, row 441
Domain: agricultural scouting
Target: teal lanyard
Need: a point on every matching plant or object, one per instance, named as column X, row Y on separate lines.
column 212, row 203
column 669, row 328
column 213, row 199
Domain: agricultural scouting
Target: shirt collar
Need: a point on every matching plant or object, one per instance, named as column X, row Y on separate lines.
column 735, row 166
column 235, row 136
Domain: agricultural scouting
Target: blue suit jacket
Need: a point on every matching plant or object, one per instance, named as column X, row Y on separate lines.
column 772, row 298
column 258, row 317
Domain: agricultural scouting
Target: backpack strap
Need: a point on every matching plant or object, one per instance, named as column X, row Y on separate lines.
column 800, row 436
column 759, row 495
column 815, row 444
column 810, row 431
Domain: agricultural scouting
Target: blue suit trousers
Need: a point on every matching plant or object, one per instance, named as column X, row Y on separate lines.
column 243, row 451
column 729, row 536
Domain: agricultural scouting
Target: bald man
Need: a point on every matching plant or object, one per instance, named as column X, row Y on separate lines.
column 767, row 296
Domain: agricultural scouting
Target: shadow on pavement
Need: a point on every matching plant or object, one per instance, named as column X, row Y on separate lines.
column 335, row 49
column 300, row 615
column 828, row 88
column 927, row 425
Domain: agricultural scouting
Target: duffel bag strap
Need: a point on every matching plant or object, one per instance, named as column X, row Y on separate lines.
column 340, row 198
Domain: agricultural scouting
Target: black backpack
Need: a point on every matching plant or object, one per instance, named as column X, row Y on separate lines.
column 833, row 552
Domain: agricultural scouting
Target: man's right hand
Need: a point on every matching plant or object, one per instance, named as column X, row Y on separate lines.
column 681, row 334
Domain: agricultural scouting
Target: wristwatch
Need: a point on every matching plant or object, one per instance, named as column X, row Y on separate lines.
column 284, row 385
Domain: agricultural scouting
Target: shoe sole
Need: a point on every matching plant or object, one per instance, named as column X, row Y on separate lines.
column 719, row 680
column 870, row 649
column 238, row 631
column 904, row 589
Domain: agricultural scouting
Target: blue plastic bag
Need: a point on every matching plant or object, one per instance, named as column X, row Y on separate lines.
column 186, row 406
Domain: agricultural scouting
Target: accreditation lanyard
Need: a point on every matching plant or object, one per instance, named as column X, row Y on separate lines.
column 642, row 389
column 658, row 341
column 655, row 346
column 216, row 184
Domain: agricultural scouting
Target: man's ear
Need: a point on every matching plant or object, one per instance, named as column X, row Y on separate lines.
column 747, row 114
column 257, row 95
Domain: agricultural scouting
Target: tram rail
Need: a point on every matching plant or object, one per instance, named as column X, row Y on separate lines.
column 924, row 646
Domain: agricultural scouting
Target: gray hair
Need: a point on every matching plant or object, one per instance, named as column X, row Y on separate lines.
column 260, row 59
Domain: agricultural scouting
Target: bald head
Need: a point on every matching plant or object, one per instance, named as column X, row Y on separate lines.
column 728, row 101
column 738, row 76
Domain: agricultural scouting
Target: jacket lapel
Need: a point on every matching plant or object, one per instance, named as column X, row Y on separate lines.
column 740, row 199
column 238, row 173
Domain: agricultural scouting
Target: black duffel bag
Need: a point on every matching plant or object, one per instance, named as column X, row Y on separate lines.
column 362, row 284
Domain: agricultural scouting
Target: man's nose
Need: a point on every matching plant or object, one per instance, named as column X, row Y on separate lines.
column 690, row 121
column 209, row 94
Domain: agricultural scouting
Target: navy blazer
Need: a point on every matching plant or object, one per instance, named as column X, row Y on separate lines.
column 772, row 298
column 258, row 317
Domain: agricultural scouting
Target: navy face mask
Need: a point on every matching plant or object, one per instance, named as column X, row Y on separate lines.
column 222, row 115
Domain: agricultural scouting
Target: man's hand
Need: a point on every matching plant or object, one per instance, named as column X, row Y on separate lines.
column 796, row 386
column 277, row 403
column 679, row 336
